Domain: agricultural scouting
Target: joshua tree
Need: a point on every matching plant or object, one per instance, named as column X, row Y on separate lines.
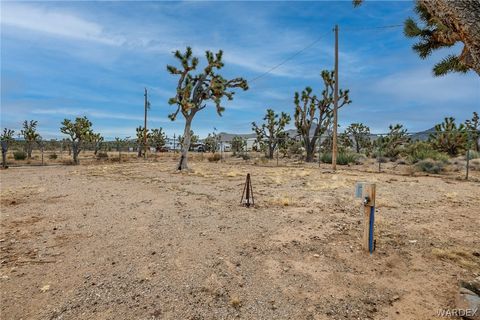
column 30, row 136
column 6, row 138
column 211, row 142
column 473, row 128
column 158, row 138
column 238, row 144
column 360, row 134
column 79, row 132
column 142, row 136
column 193, row 139
column 390, row 145
column 194, row 91
column 446, row 23
column 270, row 132
column 448, row 137
column 96, row 139
column 313, row 113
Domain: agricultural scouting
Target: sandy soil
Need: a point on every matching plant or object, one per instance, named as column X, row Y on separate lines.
column 138, row 241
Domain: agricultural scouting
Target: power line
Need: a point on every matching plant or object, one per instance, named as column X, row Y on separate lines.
column 372, row 28
column 287, row 59
column 315, row 42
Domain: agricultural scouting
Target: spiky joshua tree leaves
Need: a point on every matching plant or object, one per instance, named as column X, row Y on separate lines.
column 313, row 113
column 158, row 138
column 6, row 138
column 142, row 136
column 391, row 145
column 96, row 139
column 271, row 131
column 432, row 35
column 473, row 128
column 360, row 134
column 194, row 91
column 30, row 135
column 444, row 24
column 449, row 138
column 79, row 131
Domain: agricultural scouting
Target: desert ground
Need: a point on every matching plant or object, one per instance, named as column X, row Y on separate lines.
column 136, row 240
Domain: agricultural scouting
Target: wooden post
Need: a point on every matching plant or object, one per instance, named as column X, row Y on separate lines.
column 368, row 197
column 335, row 107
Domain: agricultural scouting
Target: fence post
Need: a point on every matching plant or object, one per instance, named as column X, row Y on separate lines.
column 319, row 145
column 277, row 152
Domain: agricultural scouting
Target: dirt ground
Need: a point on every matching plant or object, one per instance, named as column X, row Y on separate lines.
column 139, row 241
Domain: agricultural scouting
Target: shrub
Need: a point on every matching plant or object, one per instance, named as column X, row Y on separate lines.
column 53, row 156
column 430, row 166
column 343, row 158
column 19, row 155
column 214, row 157
column 419, row 151
column 245, row 157
column 102, row 155
column 472, row 154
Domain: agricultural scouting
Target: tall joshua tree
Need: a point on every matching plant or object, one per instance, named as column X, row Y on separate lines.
column 270, row 132
column 312, row 113
column 79, row 132
column 30, row 136
column 194, row 91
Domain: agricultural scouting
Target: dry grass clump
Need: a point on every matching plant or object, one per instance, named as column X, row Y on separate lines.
column 235, row 301
column 282, row 201
column 459, row 256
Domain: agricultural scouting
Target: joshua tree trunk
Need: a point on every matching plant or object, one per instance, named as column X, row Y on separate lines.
column 76, row 151
column 4, row 158
column 271, row 149
column 29, row 150
column 463, row 17
column 182, row 165
column 310, row 148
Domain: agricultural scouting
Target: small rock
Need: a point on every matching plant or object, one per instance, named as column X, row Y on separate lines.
column 316, row 255
column 45, row 288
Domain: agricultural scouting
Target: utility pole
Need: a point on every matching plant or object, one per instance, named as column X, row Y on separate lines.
column 335, row 107
column 147, row 105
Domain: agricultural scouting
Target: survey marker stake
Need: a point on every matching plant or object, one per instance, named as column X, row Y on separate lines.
column 247, row 194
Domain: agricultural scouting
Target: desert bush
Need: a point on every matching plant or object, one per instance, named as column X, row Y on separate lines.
column 430, row 166
column 420, row 150
column 214, row 157
column 472, row 154
column 102, row 155
column 343, row 158
column 53, row 156
column 449, row 137
column 245, row 157
column 475, row 164
column 19, row 155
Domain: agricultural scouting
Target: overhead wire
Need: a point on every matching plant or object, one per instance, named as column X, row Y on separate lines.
column 314, row 43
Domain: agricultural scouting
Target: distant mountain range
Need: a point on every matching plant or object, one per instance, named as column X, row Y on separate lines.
column 227, row 137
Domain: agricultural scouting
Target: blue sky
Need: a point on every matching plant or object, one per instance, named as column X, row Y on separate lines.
column 65, row 59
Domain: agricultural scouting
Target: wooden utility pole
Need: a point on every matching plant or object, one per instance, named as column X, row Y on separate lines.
column 145, row 125
column 335, row 107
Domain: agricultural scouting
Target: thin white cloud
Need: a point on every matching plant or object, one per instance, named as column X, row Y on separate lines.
column 96, row 114
column 56, row 23
column 419, row 85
